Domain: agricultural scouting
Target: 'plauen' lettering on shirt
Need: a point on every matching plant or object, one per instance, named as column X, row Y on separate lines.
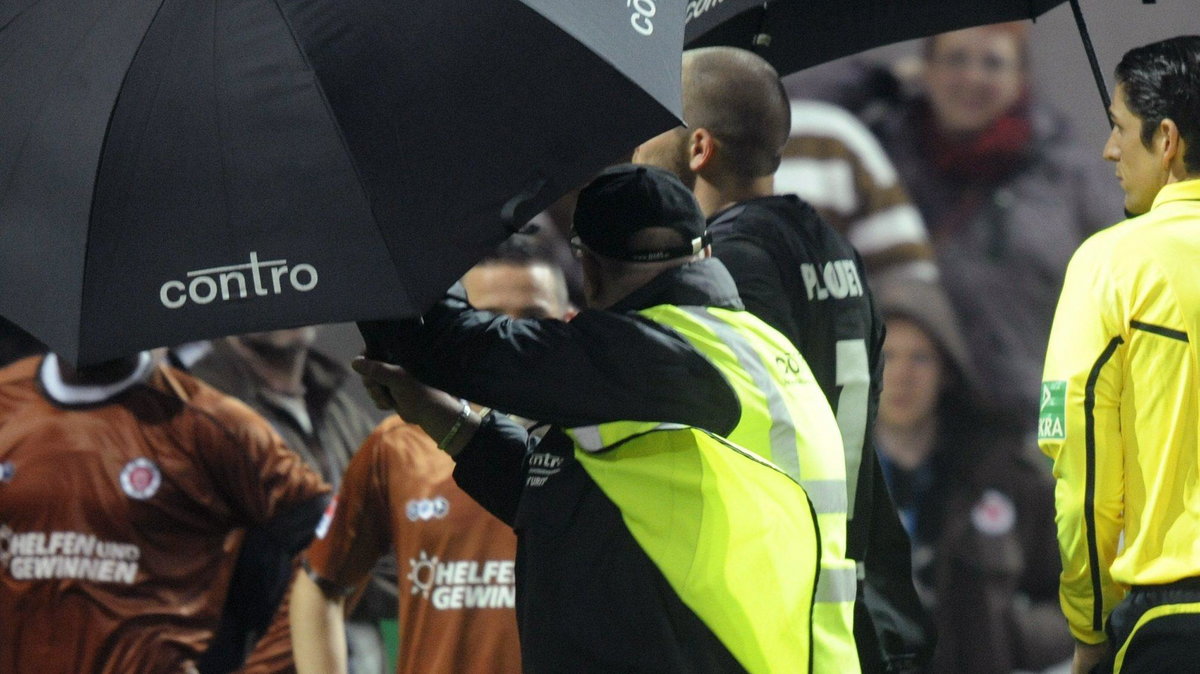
column 838, row 280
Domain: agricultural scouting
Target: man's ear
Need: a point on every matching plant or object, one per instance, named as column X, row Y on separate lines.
column 1170, row 144
column 702, row 149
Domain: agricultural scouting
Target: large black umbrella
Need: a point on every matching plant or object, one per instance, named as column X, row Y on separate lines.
column 181, row 169
column 796, row 34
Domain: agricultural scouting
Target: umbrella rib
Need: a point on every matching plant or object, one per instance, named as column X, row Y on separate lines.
column 1091, row 54
column 392, row 254
column 18, row 15
column 95, row 181
column 220, row 119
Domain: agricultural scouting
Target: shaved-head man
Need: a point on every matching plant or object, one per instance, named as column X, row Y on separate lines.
column 806, row 280
column 732, row 100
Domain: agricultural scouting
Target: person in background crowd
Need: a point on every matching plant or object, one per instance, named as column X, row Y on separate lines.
column 1120, row 411
column 834, row 162
column 1006, row 193
column 975, row 498
column 127, row 490
column 398, row 494
column 617, row 566
column 306, row 397
column 803, row 278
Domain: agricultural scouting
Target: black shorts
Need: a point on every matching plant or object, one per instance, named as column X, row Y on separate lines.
column 1156, row 628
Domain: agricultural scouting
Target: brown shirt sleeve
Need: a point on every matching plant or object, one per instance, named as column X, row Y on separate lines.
column 261, row 478
column 354, row 533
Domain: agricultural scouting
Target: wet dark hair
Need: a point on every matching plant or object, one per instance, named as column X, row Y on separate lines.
column 527, row 250
column 1162, row 81
column 522, row 250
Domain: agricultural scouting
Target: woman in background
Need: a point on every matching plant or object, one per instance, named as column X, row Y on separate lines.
column 974, row 495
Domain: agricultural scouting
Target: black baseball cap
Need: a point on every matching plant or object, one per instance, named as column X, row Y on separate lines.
column 624, row 200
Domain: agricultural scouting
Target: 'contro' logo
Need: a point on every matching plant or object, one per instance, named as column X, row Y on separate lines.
column 267, row 277
column 643, row 10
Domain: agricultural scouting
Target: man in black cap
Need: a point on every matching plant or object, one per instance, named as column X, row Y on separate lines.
column 648, row 542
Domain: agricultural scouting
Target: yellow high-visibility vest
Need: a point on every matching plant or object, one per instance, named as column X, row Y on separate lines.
column 786, row 421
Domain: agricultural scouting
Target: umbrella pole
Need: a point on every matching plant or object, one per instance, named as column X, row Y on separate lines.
column 1091, row 54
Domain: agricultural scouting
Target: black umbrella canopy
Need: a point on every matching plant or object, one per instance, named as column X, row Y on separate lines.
column 796, row 34
column 182, row 169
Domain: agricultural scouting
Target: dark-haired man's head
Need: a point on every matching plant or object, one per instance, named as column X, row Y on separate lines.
column 1155, row 112
column 520, row 279
column 738, row 120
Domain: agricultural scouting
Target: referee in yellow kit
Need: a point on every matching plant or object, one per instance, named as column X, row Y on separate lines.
column 1120, row 407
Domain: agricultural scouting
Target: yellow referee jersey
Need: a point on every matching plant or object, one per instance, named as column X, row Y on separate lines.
column 1119, row 409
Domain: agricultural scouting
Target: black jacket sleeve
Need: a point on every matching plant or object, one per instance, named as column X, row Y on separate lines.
column 895, row 616
column 491, row 468
column 601, row 366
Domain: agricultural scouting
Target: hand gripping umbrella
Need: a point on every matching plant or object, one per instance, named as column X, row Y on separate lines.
column 796, row 34
column 180, row 169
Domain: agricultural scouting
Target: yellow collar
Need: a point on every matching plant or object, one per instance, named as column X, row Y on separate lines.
column 1185, row 190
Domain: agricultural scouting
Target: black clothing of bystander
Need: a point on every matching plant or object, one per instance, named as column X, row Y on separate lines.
column 575, row 552
column 804, row 279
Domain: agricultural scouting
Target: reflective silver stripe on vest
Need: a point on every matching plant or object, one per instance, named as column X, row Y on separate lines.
column 835, row 586
column 784, row 450
column 589, row 439
column 827, row 496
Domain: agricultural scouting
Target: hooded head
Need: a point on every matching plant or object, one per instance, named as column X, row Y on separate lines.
column 927, row 369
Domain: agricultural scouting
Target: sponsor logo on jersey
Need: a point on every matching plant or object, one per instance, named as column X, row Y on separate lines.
column 464, row 584
column 266, row 277
column 7, row 470
column 140, row 478
column 542, row 466
column 327, row 518
column 1052, row 414
column 838, row 280
column 39, row 555
column 425, row 509
column 994, row 514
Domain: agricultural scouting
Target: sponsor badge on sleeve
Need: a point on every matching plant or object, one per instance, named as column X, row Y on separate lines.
column 1052, row 417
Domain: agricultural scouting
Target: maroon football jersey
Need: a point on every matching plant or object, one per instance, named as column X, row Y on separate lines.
column 121, row 511
column 457, row 575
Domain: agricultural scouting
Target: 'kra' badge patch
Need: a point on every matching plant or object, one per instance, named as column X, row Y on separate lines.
column 140, row 478
column 1052, row 416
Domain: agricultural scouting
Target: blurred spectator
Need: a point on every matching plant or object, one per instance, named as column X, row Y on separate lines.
column 305, row 395
column 833, row 162
column 126, row 492
column 1006, row 194
column 976, row 499
column 399, row 494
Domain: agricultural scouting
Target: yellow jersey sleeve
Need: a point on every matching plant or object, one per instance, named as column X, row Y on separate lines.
column 1079, row 429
